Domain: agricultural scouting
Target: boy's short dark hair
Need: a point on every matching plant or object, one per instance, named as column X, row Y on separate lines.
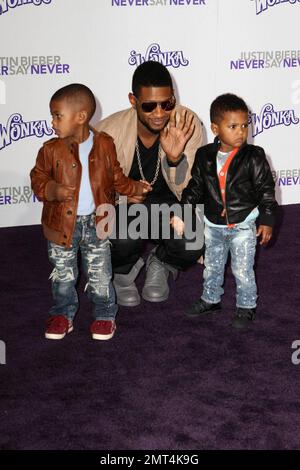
column 224, row 103
column 78, row 93
column 150, row 74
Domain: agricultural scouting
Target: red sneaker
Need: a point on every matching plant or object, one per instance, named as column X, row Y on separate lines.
column 58, row 326
column 103, row 329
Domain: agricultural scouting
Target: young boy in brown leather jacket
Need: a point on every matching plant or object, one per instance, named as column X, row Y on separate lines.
column 74, row 174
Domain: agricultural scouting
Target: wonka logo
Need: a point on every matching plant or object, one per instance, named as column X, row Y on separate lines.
column 268, row 117
column 168, row 59
column 5, row 5
column 263, row 5
column 17, row 129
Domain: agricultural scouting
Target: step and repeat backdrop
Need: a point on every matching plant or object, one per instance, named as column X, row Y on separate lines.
column 248, row 47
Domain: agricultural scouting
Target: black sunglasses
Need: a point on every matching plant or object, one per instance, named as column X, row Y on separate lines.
column 149, row 106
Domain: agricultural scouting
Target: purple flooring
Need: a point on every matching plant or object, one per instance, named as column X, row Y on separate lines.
column 164, row 381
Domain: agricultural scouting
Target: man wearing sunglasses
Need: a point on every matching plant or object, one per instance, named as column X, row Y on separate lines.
column 156, row 140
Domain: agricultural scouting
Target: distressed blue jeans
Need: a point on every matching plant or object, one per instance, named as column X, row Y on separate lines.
column 240, row 241
column 96, row 262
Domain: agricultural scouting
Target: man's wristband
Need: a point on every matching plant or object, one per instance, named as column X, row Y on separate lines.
column 172, row 164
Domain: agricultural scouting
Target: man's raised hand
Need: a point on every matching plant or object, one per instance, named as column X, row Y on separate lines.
column 173, row 138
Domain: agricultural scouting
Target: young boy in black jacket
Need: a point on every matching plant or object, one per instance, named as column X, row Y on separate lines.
column 234, row 182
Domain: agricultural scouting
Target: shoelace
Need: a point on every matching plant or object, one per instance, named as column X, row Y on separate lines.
column 156, row 267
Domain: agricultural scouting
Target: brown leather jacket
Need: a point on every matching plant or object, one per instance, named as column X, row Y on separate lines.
column 58, row 162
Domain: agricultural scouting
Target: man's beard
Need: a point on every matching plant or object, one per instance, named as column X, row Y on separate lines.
column 149, row 128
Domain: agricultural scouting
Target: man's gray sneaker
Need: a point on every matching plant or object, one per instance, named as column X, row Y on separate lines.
column 126, row 290
column 156, row 288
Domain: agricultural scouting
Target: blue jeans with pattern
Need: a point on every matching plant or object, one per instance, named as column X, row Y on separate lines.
column 240, row 241
column 96, row 262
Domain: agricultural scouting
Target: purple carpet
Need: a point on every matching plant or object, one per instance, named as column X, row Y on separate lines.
column 165, row 381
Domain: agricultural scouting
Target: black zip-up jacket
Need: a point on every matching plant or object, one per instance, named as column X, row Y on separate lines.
column 249, row 184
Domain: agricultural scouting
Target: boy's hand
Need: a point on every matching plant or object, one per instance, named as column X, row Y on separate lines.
column 177, row 224
column 145, row 187
column 64, row 193
column 265, row 232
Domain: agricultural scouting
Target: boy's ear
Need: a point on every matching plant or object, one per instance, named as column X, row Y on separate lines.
column 215, row 128
column 82, row 116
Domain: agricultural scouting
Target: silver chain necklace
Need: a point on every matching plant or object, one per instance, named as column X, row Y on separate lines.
column 140, row 163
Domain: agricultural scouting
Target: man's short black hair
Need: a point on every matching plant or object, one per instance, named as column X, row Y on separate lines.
column 224, row 103
column 77, row 93
column 150, row 74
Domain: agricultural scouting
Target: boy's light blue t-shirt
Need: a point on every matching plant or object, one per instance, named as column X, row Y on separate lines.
column 86, row 203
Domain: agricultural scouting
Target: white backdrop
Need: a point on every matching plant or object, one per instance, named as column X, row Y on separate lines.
column 248, row 47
